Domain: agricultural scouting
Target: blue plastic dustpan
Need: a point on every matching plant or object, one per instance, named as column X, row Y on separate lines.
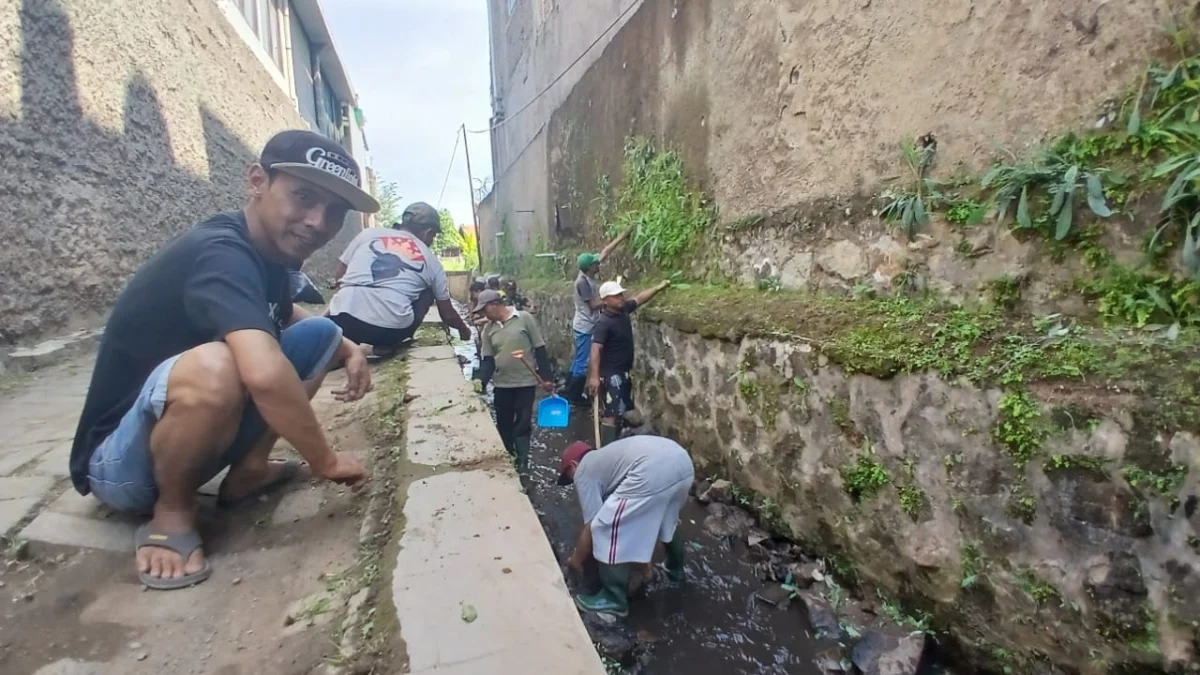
column 553, row 412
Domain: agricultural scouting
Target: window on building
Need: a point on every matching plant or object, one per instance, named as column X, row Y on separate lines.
column 265, row 18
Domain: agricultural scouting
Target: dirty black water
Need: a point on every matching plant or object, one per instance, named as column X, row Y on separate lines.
column 711, row 624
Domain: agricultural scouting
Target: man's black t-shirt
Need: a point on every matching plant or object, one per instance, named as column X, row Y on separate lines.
column 615, row 332
column 200, row 287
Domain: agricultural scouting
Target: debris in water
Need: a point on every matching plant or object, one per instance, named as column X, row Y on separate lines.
column 142, row 656
column 469, row 614
column 894, row 651
column 507, row 570
column 719, row 491
column 776, row 596
column 727, row 521
column 821, row 616
column 756, row 537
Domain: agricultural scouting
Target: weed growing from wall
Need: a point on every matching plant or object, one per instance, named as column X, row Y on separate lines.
column 865, row 477
column 668, row 215
column 908, row 206
column 1019, row 428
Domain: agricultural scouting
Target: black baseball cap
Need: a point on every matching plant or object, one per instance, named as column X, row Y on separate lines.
column 320, row 161
column 421, row 216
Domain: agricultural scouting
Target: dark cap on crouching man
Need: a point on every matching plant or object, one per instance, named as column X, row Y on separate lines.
column 205, row 361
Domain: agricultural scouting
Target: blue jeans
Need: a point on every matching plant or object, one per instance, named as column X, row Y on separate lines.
column 583, row 352
column 121, row 471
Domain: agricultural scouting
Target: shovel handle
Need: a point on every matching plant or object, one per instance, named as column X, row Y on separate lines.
column 596, row 417
column 536, row 376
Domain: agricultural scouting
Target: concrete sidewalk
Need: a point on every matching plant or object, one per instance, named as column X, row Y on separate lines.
column 71, row 603
column 476, row 586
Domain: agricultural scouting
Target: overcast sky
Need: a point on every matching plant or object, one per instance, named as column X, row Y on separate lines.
column 420, row 68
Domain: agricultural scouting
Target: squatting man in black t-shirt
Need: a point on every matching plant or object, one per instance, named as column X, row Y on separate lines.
column 612, row 355
column 205, row 362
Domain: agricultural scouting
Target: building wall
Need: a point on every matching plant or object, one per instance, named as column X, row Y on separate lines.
column 302, row 71
column 532, row 45
column 520, row 206
column 791, row 105
column 133, row 121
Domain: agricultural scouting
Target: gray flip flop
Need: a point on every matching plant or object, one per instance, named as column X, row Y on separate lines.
column 184, row 544
column 287, row 473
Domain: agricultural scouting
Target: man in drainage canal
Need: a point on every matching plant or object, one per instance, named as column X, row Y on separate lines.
column 631, row 492
column 612, row 355
column 504, row 345
column 587, row 311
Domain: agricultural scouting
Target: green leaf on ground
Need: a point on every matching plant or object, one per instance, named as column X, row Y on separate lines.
column 469, row 614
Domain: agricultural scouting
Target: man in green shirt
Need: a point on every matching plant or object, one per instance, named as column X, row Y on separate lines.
column 507, row 340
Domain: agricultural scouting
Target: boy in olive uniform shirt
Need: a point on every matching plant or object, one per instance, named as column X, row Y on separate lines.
column 508, row 337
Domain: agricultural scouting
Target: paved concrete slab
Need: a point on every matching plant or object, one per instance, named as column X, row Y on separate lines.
column 68, row 530
column 471, row 538
column 448, row 423
column 12, row 511
column 72, row 503
column 22, row 487
column 56, row 462
column 15, row 458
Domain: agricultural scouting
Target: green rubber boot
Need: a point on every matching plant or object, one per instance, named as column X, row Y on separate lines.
column 522, row 454
column 608, row 434
column 675, row 558
column 613, row 597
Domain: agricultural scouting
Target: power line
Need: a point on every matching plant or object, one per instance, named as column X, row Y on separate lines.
column 561, row 75
column 453, row 155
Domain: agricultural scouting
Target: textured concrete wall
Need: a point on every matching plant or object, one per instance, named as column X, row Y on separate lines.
column 519, row 206
column 786, row 108
column 1102, row 571
column 531, row 47
column 124, row 122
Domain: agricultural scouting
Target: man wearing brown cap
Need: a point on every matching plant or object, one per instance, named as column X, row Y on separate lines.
column 388, row 280
column 631, row 492
column 205, row 362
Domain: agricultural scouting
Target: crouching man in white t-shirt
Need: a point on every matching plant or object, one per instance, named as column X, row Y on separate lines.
column 388, row 279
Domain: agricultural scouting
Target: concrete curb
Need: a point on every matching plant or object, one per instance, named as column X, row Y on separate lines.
column 476, row 587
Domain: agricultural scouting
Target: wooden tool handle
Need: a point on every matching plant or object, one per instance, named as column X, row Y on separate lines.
column 596, row 416
column 533, row 370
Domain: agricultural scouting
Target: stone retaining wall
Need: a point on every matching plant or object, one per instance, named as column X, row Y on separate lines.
column 901, row 482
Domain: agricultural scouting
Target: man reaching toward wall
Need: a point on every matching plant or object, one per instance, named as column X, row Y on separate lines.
column 612, row 355
column 389, row 278
column 205, row 361
column 587, row 311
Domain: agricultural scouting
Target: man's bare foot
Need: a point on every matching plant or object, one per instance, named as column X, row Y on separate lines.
column 164, row 563
column 245, row 481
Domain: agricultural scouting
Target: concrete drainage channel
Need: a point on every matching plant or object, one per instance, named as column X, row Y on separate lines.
column 475, row 586
column 751, row 603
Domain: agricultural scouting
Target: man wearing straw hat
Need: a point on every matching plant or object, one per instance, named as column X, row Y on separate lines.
column 509, row 335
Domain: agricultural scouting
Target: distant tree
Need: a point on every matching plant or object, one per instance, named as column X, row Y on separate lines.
column 449, row 237
column 470, row 249
column 389, row 204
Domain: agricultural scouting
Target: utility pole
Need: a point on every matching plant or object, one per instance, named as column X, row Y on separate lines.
column 474, row 211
